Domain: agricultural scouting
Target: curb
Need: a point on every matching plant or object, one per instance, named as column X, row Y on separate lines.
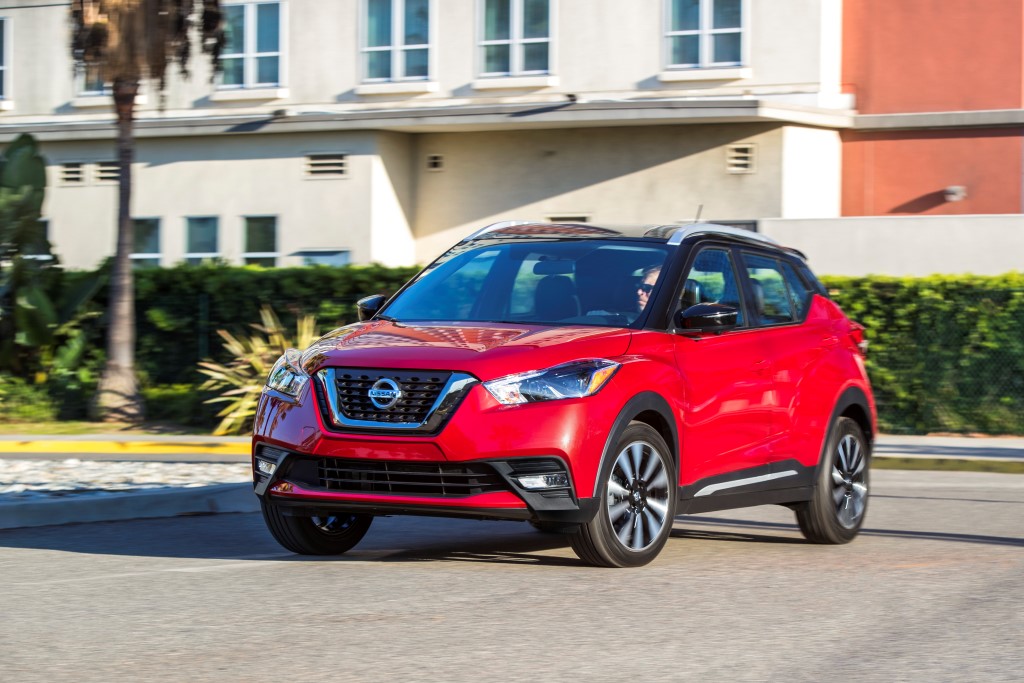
column 169, row 502
column 111, row 446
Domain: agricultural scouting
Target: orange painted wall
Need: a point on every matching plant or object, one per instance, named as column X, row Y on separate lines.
column 933, row 55
column 905, row 172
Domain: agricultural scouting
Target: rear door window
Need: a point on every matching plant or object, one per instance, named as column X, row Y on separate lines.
column 772, row 303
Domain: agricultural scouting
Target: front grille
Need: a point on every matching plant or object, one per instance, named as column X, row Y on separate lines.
column 438, row 479
column 419, row 392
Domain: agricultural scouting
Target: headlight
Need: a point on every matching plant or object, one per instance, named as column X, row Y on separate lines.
column 572, row 380
column 288, row 377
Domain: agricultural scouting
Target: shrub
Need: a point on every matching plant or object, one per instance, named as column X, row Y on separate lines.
column 946, row 353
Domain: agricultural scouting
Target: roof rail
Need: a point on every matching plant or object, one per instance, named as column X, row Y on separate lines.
column 714, row 229
column 494, row 226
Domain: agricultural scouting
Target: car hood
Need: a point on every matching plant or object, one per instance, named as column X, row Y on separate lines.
column 485, row 350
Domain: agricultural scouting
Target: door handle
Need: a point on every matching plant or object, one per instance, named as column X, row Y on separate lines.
column 761, row 366
column 830, row 340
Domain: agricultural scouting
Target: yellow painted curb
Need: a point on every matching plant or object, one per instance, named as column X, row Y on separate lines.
column 140, row 447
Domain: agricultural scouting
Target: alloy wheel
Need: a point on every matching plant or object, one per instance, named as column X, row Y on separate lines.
column 638, row 496
column 849, row 481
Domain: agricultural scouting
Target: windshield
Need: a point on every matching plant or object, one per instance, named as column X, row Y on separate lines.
column 565, row 282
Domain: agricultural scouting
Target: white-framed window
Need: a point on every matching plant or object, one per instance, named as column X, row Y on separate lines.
column 39, row 248
column 325, row 257
column 260, row 241
column 5, row 58
column 396, row 40
column 146, row 249
column 515, row 37
column 253, row 54
column 89, row 83
column 704, row 33
column 201, row 239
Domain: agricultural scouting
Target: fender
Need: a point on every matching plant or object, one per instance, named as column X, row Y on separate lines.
column 852, row 395
column 643, row 402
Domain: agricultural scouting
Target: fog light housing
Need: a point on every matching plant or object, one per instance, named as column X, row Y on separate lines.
column 540, row 482
column 267, row 459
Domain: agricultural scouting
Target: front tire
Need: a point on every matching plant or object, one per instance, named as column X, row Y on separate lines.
column 332, row 535
column 637, row 490
column 836, row 511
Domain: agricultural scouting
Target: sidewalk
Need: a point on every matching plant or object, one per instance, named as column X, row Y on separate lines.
column 47, row 480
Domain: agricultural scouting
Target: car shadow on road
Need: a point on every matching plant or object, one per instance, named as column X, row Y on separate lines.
column 890, row 533
column 243, row 537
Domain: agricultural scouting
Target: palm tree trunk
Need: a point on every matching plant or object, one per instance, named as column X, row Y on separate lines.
column 118, row 395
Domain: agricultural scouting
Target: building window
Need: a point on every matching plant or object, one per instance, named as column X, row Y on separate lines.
column 38, row 247
column 91, row 83
column 200, row 239
column 252, row 47
column 704, row 33
column 435, row 162
column 146, row 250
column 4, row 62
column 324, row 257
column 516, row 37
column 397, row 40
column 260, row 241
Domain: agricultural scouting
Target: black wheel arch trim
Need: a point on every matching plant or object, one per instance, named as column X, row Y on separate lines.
column 646, row 401
column 851, row 396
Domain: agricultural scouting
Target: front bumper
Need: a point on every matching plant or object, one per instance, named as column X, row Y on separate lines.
column 317, row 485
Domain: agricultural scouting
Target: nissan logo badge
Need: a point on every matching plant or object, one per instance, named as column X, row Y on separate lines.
column 385, row 393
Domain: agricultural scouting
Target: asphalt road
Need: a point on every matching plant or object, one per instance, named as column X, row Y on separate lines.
column 931, row 591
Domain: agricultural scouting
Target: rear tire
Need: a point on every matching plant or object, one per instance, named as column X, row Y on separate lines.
column 836, row 511
column 332, row 535
column 637, row 494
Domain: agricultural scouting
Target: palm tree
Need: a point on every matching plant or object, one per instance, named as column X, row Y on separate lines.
column 127, row 42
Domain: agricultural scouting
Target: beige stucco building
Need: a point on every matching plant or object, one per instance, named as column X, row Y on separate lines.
column 355, row 131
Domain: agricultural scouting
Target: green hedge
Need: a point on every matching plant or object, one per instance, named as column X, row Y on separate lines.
column 946, row 353
column 179, row 310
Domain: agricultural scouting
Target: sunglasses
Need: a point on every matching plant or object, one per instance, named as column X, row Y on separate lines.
column 645, row 288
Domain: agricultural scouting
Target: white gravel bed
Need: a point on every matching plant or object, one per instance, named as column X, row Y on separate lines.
column 35, row 479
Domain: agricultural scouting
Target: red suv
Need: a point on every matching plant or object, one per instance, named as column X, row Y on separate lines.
column 593, row 382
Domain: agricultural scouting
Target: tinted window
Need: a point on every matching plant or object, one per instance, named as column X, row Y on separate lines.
column 712, row 279
column 772, row 304
column 564, row 282
column 798, row 289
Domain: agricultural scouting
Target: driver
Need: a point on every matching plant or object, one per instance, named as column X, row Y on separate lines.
column 643, row 290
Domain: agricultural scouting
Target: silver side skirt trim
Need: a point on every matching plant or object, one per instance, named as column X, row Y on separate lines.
column 715, row 488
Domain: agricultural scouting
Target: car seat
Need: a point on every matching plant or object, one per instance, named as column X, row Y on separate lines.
column 555, row 298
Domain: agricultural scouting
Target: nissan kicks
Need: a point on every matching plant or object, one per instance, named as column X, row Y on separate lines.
column 592, row 382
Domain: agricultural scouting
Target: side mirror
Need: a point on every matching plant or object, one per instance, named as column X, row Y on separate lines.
column 368, row 306
column 707, row 318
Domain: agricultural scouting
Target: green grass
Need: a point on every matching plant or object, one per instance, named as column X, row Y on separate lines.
column 950, row 465
column 72, row 428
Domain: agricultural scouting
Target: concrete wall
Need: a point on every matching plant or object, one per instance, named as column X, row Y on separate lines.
column 609, row 175
column 228, row 177
column 934, row 55
column 600, row 48
column 911, row 246
column 811, row 170
column 905, row 172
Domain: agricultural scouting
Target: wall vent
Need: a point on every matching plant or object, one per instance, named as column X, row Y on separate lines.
column 322, row 165
column 72, row 173
column 740, row 158
column 108, row 172
column 435, row 162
